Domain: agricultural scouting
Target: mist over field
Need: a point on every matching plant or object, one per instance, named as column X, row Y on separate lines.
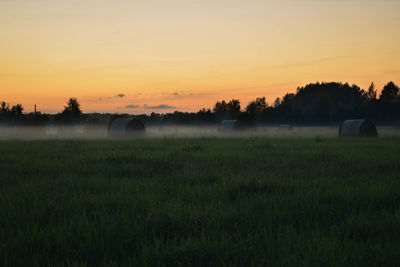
column 173, row 131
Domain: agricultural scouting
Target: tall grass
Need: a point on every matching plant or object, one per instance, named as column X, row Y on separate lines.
column 205, row 202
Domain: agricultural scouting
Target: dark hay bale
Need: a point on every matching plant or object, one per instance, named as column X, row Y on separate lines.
column 126, row 128
column 358, row 128
column 285, row 127
column 231, row 126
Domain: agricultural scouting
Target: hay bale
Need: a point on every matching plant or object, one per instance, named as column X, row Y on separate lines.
column 358, row 128
column 231, row 126
column 51, row 131
column 126, row 128
column 285, row 127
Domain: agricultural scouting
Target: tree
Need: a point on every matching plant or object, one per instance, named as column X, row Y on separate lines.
column 277, row 102
column 17, row 110
column 71, row 113
column 224, row 110
column 257, row 106
column 288, row 99
column 390, row 92
column 371, row 94
column 205, row 114
column 220, row 107
column 72, row 108
column 4, row 108
column 234, row 106
column 204, row 111
column 321, row 108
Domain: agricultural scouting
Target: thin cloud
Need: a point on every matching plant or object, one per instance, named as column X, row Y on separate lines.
column 132, row 106
column 161, row 106
column 184, row 94
column 308, row 63
column 102, row 98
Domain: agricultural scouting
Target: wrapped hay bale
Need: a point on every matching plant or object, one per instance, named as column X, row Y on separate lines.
column 358, row 128
column 126, row 128
column 231, row 126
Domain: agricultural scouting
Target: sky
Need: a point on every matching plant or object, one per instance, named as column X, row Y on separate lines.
column 165, row 55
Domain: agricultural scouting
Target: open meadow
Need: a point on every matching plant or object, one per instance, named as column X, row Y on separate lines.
column 205, row 201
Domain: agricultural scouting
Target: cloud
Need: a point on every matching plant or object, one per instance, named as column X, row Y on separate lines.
column 102, row 98
column 132, row 106
column 309, row 63
column 161, row 106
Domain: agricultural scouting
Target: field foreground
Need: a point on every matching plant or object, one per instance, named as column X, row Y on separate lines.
column 200, row 201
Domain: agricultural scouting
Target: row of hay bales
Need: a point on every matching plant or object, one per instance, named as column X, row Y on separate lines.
column 131, row 128
column 349, row 128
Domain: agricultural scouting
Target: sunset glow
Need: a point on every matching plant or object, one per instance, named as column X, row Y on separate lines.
column 144, row 56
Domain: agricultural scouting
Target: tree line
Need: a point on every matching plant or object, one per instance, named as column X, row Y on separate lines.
column 315, row 103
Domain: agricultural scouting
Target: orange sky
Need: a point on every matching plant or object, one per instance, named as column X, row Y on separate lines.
column 184, row 55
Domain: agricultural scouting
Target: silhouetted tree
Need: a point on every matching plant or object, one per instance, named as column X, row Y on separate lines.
column 287, row 99
column 4, row 111
column 371, row 93
column 72, row 108
column 205, row 115
column 225, row 110
column 389, row 104
column 4, row 108
column 257, row 106
column 71, row 113
column 321, row 108
column 16, row 110
column 390, row 92
column 204, row 111
column 220, row 107
column 277, row 102
column 314, row 103
column 320, row 102
column 234, row 106
column 155, row 116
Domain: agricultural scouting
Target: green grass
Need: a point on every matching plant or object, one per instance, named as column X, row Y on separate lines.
column 205, row 202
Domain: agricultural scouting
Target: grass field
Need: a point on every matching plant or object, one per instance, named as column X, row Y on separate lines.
column 201, row 201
